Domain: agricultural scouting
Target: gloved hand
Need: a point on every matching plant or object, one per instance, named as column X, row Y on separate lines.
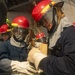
column 35, row 56
column 25, row 67
column 16, row 66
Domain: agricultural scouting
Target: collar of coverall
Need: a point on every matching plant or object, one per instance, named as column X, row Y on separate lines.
column 17, row 44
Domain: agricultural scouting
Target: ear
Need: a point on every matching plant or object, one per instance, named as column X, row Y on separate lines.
column 59, row 4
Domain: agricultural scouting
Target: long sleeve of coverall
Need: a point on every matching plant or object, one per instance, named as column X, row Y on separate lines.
column 8, row 65
column 65, row 64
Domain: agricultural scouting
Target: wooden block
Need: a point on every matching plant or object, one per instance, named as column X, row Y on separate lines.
column 43, row 48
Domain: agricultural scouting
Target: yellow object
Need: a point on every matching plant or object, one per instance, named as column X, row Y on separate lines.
column 14, row 24
column 43, row 48
column 45, row 9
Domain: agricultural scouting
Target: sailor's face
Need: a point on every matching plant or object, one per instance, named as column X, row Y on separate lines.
column 47, row 24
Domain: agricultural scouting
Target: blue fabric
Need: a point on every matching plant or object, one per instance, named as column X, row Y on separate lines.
column 62, row 58
column 11, row 52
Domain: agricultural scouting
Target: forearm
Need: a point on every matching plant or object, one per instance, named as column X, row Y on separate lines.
column 46, row 64
column 53, row 64
column 8, row 65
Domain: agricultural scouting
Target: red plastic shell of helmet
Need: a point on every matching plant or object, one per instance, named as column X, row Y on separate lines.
column 36, row 13
column 21, row 21
column 4, row 28
column 40, row 35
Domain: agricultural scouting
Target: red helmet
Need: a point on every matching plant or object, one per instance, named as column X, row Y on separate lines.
column 40, row 35
column 40, row 9
column 4, row 28
column 20, row 21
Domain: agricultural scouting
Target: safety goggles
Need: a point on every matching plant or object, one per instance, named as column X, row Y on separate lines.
column 21, row 30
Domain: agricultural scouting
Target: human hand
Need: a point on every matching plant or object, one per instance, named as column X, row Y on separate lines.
column 31, row 54
column 35, row 56
column 25, row 67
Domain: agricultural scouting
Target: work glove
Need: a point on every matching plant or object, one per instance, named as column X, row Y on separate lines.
column 35, row 56
column 16, row 66
column 25, row 67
